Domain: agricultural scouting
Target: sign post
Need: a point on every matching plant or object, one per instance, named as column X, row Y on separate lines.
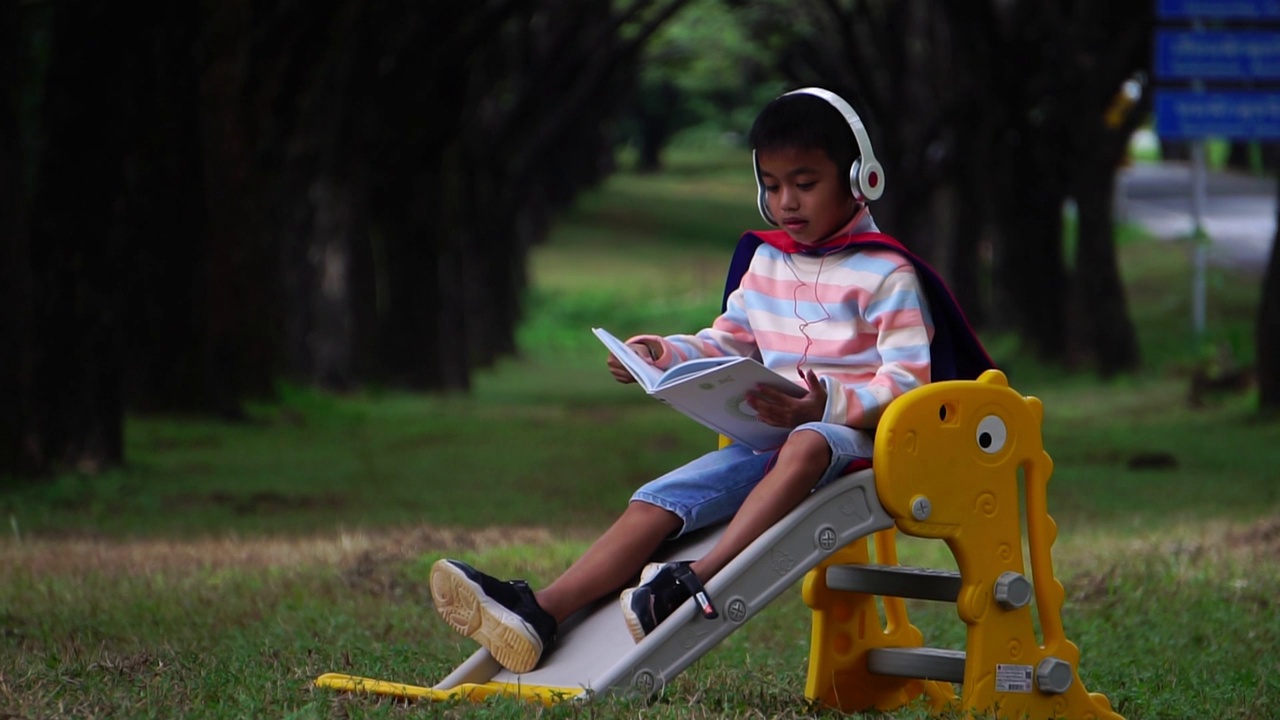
column 1220, row 82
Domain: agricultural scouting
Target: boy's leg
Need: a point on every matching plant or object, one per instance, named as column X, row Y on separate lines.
column 657, row 511
column 517, row 625
column 612, row 560
column 802, row 461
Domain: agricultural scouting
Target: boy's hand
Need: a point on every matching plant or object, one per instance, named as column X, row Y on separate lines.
column 621, row 373
column 774, row 407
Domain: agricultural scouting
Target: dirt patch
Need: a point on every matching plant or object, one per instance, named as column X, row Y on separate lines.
column 417, row 541
column 1260, row 538
column 379, row 570
column 1254, row 541
column 1186, row 547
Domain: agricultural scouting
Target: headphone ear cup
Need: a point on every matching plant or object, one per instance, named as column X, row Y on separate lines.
column 870, row 179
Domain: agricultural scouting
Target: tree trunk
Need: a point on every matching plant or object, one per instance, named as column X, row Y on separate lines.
column 966, row 269
column 161, row 216
column 329, row 258
column 16, row 416
column 238, row 306
column 1098, row 290
column 77, row 258
column 1028, row 275
column 654, row 107
column 1268, row 333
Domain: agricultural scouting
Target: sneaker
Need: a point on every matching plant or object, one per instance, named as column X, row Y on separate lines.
column 502, row 616
column 663, row 588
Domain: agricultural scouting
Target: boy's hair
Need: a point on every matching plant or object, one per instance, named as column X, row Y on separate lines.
column 801, row 121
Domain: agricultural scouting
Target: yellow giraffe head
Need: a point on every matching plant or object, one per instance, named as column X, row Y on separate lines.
column 950, row 449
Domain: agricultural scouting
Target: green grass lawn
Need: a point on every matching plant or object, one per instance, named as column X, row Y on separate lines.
column 229, row 565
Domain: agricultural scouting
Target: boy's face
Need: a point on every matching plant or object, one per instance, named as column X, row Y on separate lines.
column 806, row 193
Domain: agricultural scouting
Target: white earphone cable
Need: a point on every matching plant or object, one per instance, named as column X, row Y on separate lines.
column 795, row 308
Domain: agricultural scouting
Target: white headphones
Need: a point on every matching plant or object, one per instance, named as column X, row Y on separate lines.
column 866, row 177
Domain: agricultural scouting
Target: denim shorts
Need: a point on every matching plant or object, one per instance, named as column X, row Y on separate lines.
column 710, row 490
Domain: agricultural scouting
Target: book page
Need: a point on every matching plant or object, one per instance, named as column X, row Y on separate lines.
column 644, row 373
column 694, row 367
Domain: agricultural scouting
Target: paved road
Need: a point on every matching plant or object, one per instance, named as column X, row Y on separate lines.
column 1239, row 214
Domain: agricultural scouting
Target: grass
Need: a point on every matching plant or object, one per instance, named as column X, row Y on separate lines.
column 229, row 565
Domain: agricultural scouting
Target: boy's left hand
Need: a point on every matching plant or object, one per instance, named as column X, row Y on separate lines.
column 774, row 407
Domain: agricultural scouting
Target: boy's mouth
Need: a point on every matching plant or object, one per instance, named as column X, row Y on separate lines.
column 793, row 223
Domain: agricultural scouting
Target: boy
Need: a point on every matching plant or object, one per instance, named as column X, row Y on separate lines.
column 848, row 322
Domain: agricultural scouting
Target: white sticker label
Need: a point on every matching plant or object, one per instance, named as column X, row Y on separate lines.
column 1013, row 678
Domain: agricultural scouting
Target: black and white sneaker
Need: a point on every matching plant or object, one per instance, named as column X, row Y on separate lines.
column 663, row 588
column 501, row 615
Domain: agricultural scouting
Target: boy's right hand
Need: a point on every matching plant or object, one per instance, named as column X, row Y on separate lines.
column 621, row 373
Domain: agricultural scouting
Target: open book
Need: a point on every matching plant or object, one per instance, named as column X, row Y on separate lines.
column 711, row 390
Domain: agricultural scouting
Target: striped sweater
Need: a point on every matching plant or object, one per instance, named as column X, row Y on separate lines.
column 856, row 317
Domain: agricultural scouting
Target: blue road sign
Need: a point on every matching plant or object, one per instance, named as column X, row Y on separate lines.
column 1217, row 54
column 1218, row 9
column 1192, row 115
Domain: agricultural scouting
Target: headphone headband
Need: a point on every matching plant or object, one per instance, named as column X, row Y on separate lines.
column 866, row 176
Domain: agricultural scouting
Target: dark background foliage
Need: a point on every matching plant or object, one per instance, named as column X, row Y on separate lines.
column 199, row 200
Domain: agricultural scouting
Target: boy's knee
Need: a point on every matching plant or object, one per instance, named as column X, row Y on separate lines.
column 806, row 448
column 652, row 515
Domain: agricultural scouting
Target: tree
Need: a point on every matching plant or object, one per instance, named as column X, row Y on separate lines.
column 1268, row 334
column 333, row 191
column 700, row 69
column 70, row 406
column 14, row 293
column 1104, row 46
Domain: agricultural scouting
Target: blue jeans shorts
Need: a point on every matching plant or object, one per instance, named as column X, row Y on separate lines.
column 710, row 490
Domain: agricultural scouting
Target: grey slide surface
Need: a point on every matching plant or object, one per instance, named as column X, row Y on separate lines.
column 596, row 654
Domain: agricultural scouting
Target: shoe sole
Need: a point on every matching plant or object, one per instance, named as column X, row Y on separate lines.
column 465, row 608
column 633, row 620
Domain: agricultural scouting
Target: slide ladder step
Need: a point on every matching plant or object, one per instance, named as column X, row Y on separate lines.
column 924, row 663
column 896, row 581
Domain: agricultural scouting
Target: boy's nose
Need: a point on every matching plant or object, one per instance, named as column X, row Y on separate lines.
column 790, row 199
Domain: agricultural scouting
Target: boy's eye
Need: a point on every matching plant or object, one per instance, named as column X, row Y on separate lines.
column 771, row 188
column 806, row 185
